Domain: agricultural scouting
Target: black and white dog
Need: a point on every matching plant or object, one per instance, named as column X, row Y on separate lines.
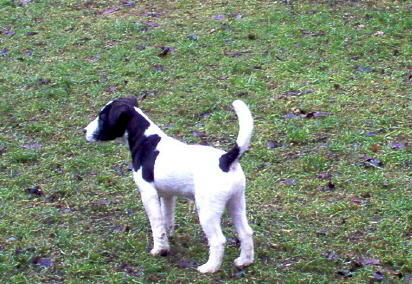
column 164, row 168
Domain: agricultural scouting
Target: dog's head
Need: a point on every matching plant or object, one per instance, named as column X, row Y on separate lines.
column 112, row 120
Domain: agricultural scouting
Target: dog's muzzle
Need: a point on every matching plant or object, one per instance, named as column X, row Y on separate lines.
column 90, row 130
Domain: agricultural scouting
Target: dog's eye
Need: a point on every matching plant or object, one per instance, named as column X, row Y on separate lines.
column 102, row 116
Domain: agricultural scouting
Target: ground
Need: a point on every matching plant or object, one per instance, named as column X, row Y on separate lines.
column 329, row 170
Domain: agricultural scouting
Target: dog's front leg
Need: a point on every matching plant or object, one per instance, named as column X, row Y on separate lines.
column 168, row 209
column 151, row 202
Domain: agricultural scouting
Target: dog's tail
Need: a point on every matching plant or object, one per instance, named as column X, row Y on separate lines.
column 243, row 138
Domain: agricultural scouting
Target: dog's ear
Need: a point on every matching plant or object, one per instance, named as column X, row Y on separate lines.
column 119, row 117
column 131, row 101
column 119, row 112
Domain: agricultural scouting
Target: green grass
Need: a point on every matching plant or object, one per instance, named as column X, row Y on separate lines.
column 319, row 204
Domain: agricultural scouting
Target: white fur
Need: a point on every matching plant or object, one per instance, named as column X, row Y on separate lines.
column 245, row 125
column 193, row 171
column 90, row 129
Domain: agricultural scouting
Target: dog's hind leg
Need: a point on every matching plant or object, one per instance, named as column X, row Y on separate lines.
column 168, row 210
column 237, row 210
column 209, row 217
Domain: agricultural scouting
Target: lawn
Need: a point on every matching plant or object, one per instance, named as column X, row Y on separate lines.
column 329, row 170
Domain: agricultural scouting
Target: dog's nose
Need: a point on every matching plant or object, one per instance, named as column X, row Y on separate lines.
column 84, row 131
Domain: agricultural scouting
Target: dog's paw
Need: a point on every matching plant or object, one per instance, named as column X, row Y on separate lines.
column 159, row 251
column 242, row 262
column 207, row 268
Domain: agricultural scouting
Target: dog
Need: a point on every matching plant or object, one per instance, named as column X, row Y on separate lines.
column 164, row 168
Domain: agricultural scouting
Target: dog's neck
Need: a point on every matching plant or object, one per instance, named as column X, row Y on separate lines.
column 140, row 131
column 152, row 128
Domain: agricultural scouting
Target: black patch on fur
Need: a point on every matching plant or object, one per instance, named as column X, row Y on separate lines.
column 144, row 155
column 226, row 160
column 142, row 148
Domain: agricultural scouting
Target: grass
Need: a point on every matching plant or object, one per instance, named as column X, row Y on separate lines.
column 329, row 171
